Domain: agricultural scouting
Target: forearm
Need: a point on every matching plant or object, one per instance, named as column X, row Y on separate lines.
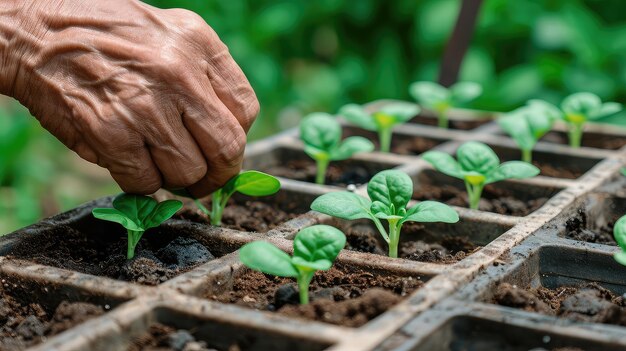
column 20, row 31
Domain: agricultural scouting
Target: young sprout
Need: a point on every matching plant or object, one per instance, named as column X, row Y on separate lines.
column 137, row 213
column 477, row 165
column 527, row 124
column 619, row 233
column 579, row 108
column 321, row 135
column 314, row 249
column 382, row 120
column 251, row 183
column 440, row 99
column 389, row 193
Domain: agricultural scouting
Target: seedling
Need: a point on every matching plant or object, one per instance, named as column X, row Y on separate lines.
column 389, row 193
column 314, row 249
column 619, row 233
column 579, row 108
column 440, row 99
column 251, row 183
column 321, row 134
column 527, row 124
column 137, row 213
column 382, row 121
column 477, row 165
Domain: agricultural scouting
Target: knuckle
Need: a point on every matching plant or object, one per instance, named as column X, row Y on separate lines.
column 231, row 153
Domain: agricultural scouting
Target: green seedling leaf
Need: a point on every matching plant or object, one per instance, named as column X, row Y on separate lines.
column 321, row 135
column 527, row 124
column 252, row 183
column 477, row 165
column 619, row 232
column 391, row 188
column 343, row 204
column 382, row 120
column 440, row 99
column 431, row 211
column 137, row 213
column 389, row 192
column 267, row 258
column 314, row 248
column 318, row 246
column 623, row 171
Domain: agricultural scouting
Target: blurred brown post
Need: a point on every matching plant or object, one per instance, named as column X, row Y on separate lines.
column 459, row 42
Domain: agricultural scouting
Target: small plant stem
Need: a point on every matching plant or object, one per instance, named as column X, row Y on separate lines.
column 322, row 167
column 575, row 134
column 394, row 237
column 527, row 155
column 442, row 118
column 202, row 208
column 133, row 239
column 304, row 280
column 217, row 207
column 384, row 136
column 473, row 193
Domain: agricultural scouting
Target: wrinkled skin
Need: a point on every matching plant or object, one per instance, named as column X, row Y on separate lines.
column 150, row 94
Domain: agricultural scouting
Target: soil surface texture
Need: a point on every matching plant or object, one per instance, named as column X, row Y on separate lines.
column 585, row 303
column 448, row 250
column 453, row 124
column 400, row 144
column 550, row 170
column 248, row 216
column 589, row 140
column 342, row 296
column 576, row 228
column 25, row 323
column 493, row 199
column 339, row 173
column 161, row 337
column 160, row 255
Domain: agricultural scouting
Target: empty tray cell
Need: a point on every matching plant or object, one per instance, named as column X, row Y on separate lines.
column 466, row 333
column 345, row 295
column 97, row 247
column 505, row 197
column 592, row 220
column 255, row 214
column 590, row 139
column 297, row 165
column 577, row 284
column 426, row 242
column 31, row 312
column 551, row 164
column 401, row 143
column 169, row 329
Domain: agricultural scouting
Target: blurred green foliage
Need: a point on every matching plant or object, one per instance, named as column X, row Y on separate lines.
column 303, row 56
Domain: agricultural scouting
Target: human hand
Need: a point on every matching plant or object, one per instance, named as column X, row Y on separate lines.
column 150, row 94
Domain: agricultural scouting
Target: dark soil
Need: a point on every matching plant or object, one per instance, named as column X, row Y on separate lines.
column 24, row 323
column 342, row 296
column 586, row 303
column 594, row 140
column 550, row 170
column 576, row 228
column 249, row 216
column 160, row 255
column 453, row 124
column 161, row 337
column 493, row 199
column 339, row 173
column 400, row 144
column 447, row 250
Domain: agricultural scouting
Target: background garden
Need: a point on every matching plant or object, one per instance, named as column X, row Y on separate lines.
column 303, row 56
